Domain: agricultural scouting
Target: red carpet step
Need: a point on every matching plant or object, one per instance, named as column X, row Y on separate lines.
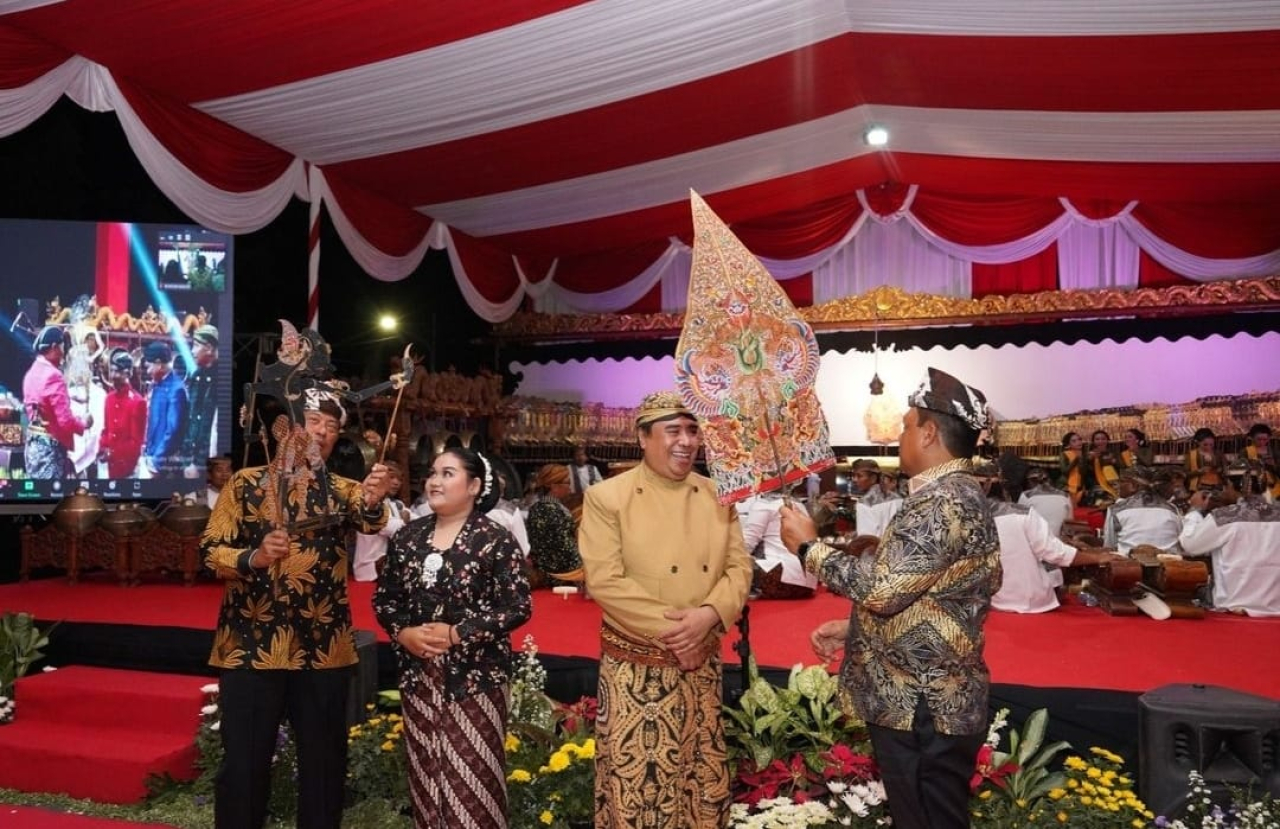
column 99, row 733
column 24, row 817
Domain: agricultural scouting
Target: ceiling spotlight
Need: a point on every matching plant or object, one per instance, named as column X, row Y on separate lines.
column 876, row 136
column 387, row 322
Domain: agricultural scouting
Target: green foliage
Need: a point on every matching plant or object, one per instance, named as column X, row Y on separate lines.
column 21, row 646
column 377, row 761
column 804, row 718
column 1032, row 778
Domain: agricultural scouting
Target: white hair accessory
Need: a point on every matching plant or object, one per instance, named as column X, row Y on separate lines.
column 487, row 487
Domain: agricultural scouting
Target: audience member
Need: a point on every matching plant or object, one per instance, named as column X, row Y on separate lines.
column 583, row 472
column 553, row 534
column 507, row 512
column 217, row 473
column 450, row 594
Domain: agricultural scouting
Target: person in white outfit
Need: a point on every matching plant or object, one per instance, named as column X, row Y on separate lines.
column 1050, row 503
column 371, row 547
column 1030, row 555
column 780, row 574
column 582, row 472
column 1243, row 542
column 1142, row 515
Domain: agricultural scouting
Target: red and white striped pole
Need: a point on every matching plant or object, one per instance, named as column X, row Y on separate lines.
column 313, row 252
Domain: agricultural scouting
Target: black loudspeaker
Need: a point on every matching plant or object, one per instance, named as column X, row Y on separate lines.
column 1230, row 737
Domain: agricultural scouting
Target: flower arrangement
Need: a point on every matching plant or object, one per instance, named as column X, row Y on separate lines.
column 1205, row 809
column 550, row 752
column 377, row 761
column 800, row 759
column 1018, row 788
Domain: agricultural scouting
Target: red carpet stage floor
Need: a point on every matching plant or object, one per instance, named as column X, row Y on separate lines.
column 1073, row 647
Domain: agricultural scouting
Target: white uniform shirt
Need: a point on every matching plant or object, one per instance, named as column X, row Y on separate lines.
column 1243, row 542
column 1053, row 505
column 1144, row 518
column 1026, row 545
column 761, row 521
column 370, row 547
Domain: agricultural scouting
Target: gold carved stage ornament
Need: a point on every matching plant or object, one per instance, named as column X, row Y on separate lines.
column 888, row 307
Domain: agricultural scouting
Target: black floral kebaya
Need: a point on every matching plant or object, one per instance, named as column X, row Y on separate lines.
column 478, row 585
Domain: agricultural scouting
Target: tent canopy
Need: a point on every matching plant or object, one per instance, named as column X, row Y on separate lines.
column 550, row 145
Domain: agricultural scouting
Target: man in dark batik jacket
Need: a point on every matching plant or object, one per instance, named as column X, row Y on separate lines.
column 284, row 641
column 913, row 666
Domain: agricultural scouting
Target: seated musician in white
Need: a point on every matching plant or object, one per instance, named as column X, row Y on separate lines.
column 781, row 575
column 1142, row 515
column 1030, row 555
column 1243, row 542
column 1050, row 503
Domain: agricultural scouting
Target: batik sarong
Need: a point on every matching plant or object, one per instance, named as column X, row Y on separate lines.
column 457, row 772
column 660, row 749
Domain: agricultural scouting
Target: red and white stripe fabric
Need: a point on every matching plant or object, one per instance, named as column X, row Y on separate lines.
column 550, row 145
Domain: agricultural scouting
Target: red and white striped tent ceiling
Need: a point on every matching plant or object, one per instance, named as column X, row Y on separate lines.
column 550, row 145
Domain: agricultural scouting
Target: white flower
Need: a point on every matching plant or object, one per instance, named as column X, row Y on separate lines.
column 211, row 688
column 214, row 726
column 208, row 710
column 48, row 669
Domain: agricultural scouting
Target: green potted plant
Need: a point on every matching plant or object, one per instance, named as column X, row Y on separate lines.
column 21, row 646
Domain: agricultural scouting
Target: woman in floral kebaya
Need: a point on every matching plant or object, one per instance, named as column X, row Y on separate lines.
column 451, row 592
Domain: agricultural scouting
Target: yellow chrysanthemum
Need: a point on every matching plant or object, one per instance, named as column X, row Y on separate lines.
column 389, row 746
column 546, row 817
column 1075, row 763
column 588, row 749
column 1093, row 772
column 1057, row 794
column 1086, row 800
column 1062, row 817
column 512, row 743
column 985, row 794
column 559, row 761
column 519, row 776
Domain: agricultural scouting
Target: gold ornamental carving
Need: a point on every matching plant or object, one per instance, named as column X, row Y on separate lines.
column 888, row 307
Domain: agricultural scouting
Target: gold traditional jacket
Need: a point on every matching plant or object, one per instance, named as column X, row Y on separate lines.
column 298, row 618
column 650, row 544
column 920, row 602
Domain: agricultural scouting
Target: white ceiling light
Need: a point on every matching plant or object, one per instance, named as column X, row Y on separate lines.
column 876, row 136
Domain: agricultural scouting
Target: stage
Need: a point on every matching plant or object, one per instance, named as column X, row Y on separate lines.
column 1088, row 668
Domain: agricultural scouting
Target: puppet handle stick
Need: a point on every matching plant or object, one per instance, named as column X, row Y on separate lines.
column 405, row 374
column 773, row 444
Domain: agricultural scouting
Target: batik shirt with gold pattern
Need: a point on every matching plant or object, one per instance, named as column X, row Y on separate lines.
column 920, row 602
column 295, row 616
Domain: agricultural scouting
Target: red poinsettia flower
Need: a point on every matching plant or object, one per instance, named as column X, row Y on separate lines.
column 843, row 763
column 985, row 771
column 578, row 717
